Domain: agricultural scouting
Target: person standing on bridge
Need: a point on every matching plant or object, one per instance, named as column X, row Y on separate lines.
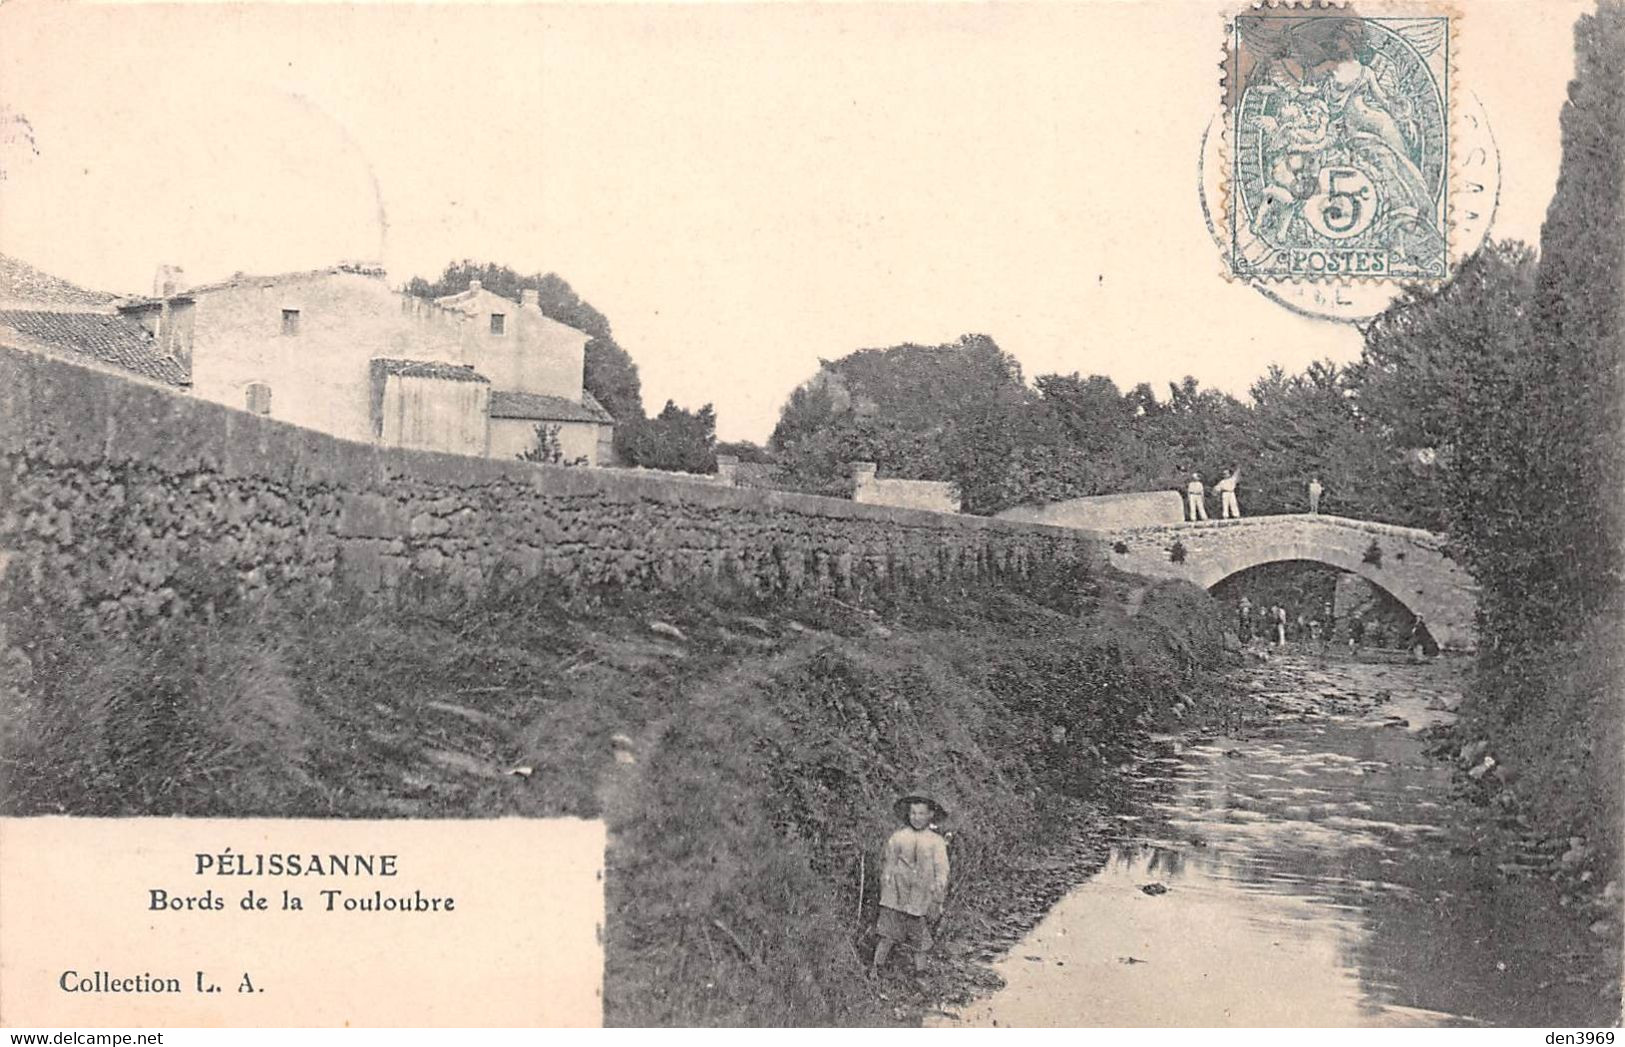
column 913, row 880
column 1229, row 508
column 1194, row 492
column 1314, row 494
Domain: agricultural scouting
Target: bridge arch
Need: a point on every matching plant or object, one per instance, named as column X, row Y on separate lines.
column 1410, row 565
column 1414, row 606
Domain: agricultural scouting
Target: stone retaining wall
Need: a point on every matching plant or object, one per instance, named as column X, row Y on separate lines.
column 145, row 499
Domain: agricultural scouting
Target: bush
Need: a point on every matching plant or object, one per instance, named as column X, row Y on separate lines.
column 548, row 450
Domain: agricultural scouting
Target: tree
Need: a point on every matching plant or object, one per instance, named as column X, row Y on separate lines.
column 746, row 451
column 1090, row 412
column 949, row 412
column 609, row 373
column 1310, row 424
column 1454, row 369
column 677, row 440
column 1578, row 312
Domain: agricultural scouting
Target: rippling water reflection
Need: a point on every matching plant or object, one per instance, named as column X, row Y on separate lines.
column 1309, row 881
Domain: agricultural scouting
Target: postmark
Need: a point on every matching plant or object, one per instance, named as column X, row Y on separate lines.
column 1339, row 134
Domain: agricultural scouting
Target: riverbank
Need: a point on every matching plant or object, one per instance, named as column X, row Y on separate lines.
column 1540, row 752
column 1312, row 837
column 744, row 751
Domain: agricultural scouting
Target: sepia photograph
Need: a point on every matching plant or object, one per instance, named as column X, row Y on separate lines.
column 1104, row 513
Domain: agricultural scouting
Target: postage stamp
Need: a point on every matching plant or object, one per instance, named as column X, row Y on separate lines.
column 1339, row 127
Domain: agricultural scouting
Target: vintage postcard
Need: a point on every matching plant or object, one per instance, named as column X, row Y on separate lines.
column 1087, row 514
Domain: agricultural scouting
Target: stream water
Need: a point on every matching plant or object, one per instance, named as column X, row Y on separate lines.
column 1312, row 872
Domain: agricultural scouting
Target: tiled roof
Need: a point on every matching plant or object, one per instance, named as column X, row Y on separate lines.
column 108, row 338
column 592, row 403
column 428, row 369
column 21, row 283
column 536, row 407
column 238, row 279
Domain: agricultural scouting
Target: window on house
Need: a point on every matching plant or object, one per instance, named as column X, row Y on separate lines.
column 290, row 321
column 499, row 323
column 259, row 397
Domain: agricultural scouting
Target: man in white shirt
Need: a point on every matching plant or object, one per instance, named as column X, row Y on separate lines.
column 1193, row 498
column 1230, row 509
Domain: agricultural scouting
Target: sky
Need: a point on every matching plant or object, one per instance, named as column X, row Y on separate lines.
column 742, row 189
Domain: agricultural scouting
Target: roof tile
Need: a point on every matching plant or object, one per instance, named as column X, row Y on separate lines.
column 535, row 406
column 22, row 283
column 108, row 338
column 428, row 369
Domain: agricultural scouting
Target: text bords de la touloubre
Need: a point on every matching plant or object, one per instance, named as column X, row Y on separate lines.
column 315, row 878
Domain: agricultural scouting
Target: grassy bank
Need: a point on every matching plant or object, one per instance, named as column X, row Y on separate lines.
column 744, row 751
column 1542, row 746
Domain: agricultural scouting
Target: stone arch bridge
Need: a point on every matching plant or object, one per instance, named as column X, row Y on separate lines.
column 1409, row 564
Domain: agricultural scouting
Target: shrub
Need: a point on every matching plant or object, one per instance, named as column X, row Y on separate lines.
column 548, row 449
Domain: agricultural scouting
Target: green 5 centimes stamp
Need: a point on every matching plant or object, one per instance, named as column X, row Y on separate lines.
column 1339, row 131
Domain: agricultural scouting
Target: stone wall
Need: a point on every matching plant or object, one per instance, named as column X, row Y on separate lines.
column 937, row 496
column 144, row 500
column 1104, row 512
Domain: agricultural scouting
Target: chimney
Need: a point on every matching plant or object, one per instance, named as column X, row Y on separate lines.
column 170, row 279
column 529, row 298
column 473, row 285
column 727, row 465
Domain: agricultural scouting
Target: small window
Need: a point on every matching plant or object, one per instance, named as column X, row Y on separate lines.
column 499, row 323
column 290, row 321
column 259, row 396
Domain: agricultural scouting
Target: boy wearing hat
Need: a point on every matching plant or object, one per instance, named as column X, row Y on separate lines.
column 913, row 880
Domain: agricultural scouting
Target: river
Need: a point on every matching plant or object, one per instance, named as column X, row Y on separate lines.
column 1313, row 870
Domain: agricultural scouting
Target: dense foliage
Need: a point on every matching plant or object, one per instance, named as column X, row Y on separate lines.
column 1515, row 370
column 676, row 439
column 962, row 412
column 1534, row 499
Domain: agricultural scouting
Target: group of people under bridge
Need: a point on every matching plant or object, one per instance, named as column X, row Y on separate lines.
column 1275, row 625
